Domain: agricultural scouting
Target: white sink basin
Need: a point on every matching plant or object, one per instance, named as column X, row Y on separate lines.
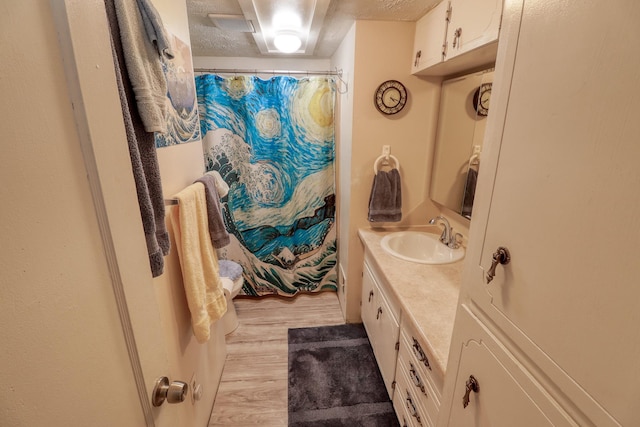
column 423, row 248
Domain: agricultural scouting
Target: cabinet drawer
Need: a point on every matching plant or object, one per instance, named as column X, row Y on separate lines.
column 399, row 405
column 419, row 385
column 408, row 397
column 414, row 349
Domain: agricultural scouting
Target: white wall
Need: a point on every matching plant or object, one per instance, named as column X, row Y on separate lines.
column 343, row 59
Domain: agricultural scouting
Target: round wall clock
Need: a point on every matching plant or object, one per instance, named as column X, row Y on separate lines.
column 390, row 97
column 481, row 99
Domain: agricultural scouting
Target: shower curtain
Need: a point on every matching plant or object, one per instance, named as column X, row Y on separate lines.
column 272, row 141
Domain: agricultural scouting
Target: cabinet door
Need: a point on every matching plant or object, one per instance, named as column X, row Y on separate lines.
column 368, row 303
column 500, row 400
column 382, row 323
column 564, row 201
column 474, row 23
column 505, row 394
column 388, row 328
column 431, row 31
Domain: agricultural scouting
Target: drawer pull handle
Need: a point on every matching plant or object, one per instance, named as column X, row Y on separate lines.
column 501, row 256
column 471, row 385
column 379, row 313
column 412, row 408
column 417, row 350
column 370, row 295
column 416, row 379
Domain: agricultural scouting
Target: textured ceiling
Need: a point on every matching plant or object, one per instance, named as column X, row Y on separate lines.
column 207, row 40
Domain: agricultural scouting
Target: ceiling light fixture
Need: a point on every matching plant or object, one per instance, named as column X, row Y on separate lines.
column 287, row 41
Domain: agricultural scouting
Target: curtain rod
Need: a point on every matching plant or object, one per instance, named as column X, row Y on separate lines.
column 253, row 71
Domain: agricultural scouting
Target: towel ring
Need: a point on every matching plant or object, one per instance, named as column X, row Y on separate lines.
column 386, row 159
column 474, row 160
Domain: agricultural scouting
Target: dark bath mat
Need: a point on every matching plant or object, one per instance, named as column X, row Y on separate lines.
column 334, row 379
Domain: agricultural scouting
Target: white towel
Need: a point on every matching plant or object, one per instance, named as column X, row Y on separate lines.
column 221, row 185
column 200, row 270
column 143, row 66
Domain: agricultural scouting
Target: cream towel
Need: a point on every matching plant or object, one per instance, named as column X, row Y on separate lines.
column 200, row 270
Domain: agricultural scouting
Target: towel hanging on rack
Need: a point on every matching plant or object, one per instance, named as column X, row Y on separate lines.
column 198, row 261
column 385, row 201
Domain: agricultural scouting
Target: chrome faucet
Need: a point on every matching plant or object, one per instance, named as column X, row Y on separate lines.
column 448, row 237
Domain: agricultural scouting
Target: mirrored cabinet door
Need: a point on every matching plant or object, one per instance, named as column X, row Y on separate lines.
column 464, row 106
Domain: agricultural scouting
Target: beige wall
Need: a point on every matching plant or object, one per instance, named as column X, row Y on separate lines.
column 180, row 166
column 410, row 134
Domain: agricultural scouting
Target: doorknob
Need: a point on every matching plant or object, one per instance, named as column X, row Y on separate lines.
column 501, row 256
column 174, row 392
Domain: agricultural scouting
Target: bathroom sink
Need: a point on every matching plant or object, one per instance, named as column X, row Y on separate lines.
column 423, row 248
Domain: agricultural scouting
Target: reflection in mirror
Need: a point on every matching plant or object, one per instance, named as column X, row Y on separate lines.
column 464, row 105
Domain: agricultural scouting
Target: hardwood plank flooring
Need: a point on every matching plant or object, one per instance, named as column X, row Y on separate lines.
column 253, row 388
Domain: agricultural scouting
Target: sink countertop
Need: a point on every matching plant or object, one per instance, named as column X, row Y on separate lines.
column 427, row 293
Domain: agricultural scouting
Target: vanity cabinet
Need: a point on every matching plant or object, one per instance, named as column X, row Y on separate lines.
column 558, row 323
column 418, row 379
column 456, row 35
column 381, row 319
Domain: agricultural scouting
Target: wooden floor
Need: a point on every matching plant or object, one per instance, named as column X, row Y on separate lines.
column 253, row 388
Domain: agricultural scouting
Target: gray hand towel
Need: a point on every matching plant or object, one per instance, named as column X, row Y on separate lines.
column 385, row 201
column 217, row 230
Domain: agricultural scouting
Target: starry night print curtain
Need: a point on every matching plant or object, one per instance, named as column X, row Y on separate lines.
column 272, row 141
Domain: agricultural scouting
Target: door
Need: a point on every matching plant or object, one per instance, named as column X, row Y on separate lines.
column 93, row 92
column 564, row 201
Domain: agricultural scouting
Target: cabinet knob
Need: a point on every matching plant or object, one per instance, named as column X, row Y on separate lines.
column 456, row 36
column 416, row 379
column 471, row 386
column 370, row 295
column 417, row 350
column 412, row 408
column 417, row 61
column 379, row 313
column 501, row 256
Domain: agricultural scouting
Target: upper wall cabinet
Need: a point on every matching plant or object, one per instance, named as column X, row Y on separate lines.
column 429, row 42
column 456, row 35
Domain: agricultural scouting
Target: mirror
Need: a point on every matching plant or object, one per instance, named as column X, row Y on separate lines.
column 464, row 104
